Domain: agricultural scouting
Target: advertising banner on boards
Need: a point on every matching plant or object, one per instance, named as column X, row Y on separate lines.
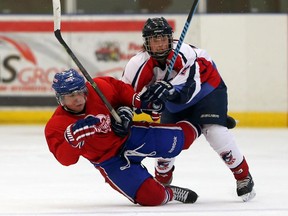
column 30, row 55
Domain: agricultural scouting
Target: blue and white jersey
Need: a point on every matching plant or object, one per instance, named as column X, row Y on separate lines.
column 194, row 74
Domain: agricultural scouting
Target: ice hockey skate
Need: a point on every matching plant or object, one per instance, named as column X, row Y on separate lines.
column 245, row 188
column 183, row 195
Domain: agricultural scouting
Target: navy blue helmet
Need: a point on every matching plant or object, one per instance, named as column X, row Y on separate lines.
column 67, row 82
column 155, row 27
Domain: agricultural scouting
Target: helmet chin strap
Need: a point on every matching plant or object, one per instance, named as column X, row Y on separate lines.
column 72, row 111
column 162, row 58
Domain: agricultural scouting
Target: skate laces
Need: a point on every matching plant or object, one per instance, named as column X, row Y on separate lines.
column 180, row 194
column 134, row 152
column 244, row 183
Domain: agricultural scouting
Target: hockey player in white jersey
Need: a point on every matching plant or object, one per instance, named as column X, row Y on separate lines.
column 194, row 91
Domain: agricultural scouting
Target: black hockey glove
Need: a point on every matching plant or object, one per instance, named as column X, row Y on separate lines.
column 146, row 105
column 122, row 129
column 159, row 91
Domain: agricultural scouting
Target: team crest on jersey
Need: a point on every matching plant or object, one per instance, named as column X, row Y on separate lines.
column 228, row 157
column 104, row 125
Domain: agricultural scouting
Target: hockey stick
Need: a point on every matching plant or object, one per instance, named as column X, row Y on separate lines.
column 181, row 39
column 57, row 32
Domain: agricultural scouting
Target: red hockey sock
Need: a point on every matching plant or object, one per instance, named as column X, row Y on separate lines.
column 190, row 133
column 152, row 193
column 241, row 171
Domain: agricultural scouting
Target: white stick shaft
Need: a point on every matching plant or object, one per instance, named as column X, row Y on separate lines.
column 57, row 14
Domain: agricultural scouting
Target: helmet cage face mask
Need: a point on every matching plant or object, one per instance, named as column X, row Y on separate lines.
column 160, row 56
column 155, row 28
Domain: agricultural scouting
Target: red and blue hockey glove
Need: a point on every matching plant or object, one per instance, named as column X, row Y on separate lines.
column 76, row 133
column 155, row 116
column 122, row 129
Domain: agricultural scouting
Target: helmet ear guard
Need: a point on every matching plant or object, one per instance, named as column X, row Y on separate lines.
column 155, row 27
column 59, row 99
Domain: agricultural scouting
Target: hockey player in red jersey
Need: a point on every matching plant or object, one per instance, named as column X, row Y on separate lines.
column 82, row 126
column 194, row 91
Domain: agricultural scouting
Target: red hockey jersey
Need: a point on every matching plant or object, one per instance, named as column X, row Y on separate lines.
column 102, row 145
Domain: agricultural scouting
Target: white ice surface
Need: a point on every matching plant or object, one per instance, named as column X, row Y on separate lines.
column 32, row 182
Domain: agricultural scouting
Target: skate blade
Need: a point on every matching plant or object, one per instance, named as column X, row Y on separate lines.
column 248, row 196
